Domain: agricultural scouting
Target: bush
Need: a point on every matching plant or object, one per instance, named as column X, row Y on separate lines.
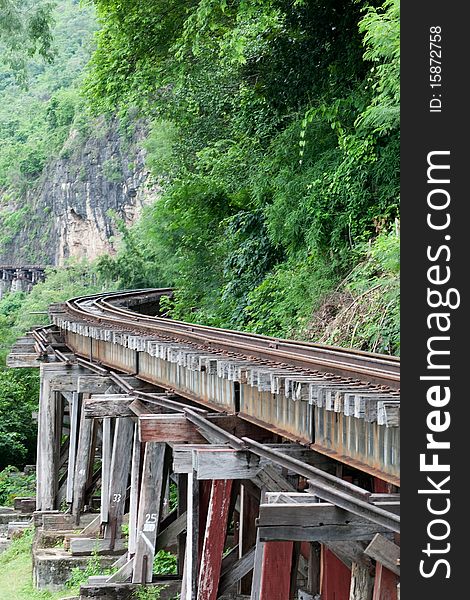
column 13, row 483
column 93, row 567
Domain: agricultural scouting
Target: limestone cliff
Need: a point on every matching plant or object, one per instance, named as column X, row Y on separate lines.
column 99, row 179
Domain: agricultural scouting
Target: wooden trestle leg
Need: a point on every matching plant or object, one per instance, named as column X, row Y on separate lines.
column 150, row 507
column 214, row 539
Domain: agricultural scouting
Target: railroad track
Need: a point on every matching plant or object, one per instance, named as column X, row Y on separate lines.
column 115, row 309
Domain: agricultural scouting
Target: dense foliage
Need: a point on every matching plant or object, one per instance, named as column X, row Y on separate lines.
column 25, row 30
column 35, row 131
column 19, row 388
column 275, row 134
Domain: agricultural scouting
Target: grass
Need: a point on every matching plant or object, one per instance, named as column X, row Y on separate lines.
column 16, row 573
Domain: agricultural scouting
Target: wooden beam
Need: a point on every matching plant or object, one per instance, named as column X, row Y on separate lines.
column 177, row 428
column 123, row 573
column 312, row 522
column 93, row 384
column 120, row 464
column 108, row 405
column 169, row 536
column 362, row 583
column 183, row 457
column 85, row 546
column 236, row 572
column 189, row 583
column 249, row 510
column 105, row 467
column 135, row 488
column 225, row 463
column 269, row 479
column 20, row 360
column 48, row 450
column 257, row 568
column 214, row 539
column 74, row 405
column 82, row 464
column 92, row 527
column 150, row 508
column 139, row 408
column 314, row 568
column 385, row 552
column 182, row 499
column 168, row 428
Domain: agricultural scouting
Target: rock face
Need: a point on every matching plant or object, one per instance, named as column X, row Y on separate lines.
column 99, row 179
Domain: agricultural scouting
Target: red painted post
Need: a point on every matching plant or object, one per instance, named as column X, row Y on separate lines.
column 204, row 500
column 275, row 573
column 385, row 585
column 214, row 539
column 336, row 577
column 248, row 523
column 305, row 549
column 381, row 486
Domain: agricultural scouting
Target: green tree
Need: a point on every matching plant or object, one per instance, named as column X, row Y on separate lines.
column 19, row 393
column 25, row 29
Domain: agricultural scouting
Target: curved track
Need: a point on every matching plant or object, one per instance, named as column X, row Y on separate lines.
column 115, row 309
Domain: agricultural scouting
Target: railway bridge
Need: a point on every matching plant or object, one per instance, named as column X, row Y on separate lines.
column 19, row 279
column 269, row 467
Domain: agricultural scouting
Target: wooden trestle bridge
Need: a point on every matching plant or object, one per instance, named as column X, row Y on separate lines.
column 284, row 455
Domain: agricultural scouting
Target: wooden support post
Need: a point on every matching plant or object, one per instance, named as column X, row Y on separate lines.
column 135, row 486
column 235, row 572
column 214, row 539
column 47, row 450
column 150, row 508
column 82, row 465
column 385, row 585
column 257, row 568
column 181, row 509
column 120, row 463
column 385, row 552
column 314, row 561
column 336, row 577
column 276, row 569
column 362, row 583
column 93, row 478
column 189, row 583
column 248, row 513
column 182, row 506
column 294, row 570
column 105, row 467
column 73, row 438
column 205, row 488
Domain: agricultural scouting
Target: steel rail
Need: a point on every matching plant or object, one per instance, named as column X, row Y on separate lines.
column 330, row 488
column 378, row 369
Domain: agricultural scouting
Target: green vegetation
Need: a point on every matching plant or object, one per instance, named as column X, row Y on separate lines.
column 93, row 567
column 165, row 563
column 275, row 134
column 274, row 131
column 13, row 483
column 25, row 29
column 16, row 573
column 19, row 389
column 35, row 131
